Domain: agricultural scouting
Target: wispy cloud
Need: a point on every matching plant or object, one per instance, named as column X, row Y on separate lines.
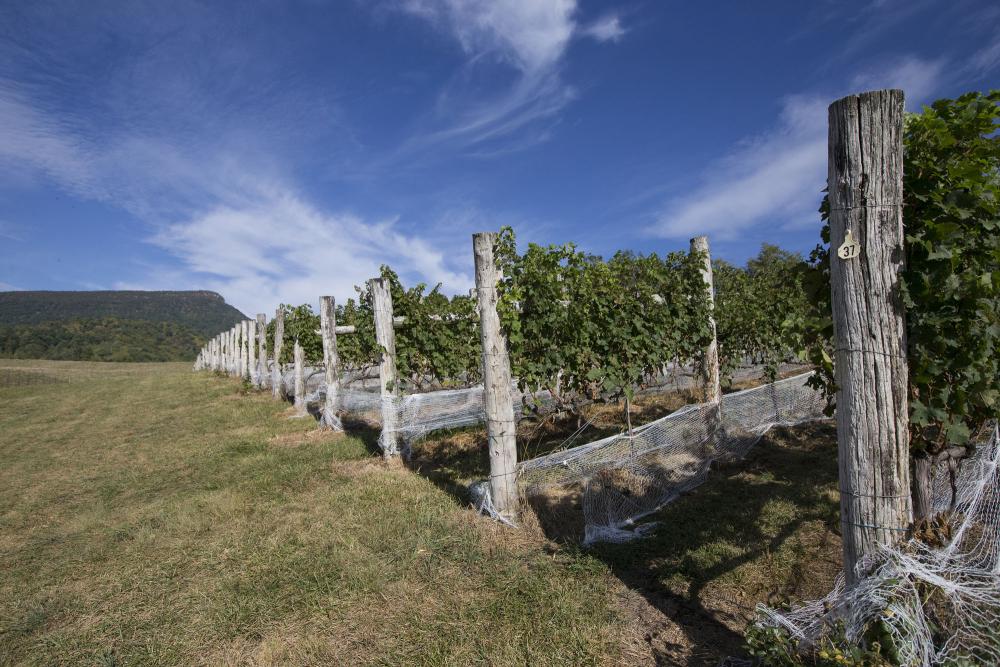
column 280, row 248
column 527, row 36
column 606, row 29
column 776, row 178
column 917, row 77
column 213, row 188
column 10, row 231
column 988, row 58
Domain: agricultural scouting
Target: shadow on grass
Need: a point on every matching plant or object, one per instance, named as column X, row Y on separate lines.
column 718, row 550
column 752, row 516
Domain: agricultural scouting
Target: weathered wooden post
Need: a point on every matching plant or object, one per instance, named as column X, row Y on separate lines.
column 252, row 352
column 231, row 361
column 300, row 383
column 239, row 349
column 233, row 358
column 711, row 382
column 331, row 363
column 500, row 424
column 261, row 350
column 245, row 346
column 388, row 382
column 279, row 339
column 865, row 184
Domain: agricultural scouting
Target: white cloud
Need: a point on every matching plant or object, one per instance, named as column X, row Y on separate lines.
column 10, row 231
column 7, row 287
column 986, row 59
column 233, row 224
column 777, row 178
column 917, row 78
column 530, row 36
column 32, row 141
column 776, row 175
column 606, row 29
column 280, row 249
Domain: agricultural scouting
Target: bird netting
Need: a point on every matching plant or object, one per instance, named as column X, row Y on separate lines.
column 933, row 599
column 628, row 476
column 624, row 477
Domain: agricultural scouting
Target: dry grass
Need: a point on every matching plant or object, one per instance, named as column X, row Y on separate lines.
column 149, row 515
column 147, row 518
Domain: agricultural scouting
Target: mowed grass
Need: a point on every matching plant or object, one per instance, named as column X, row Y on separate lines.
column 154, row 516
column 151, row 515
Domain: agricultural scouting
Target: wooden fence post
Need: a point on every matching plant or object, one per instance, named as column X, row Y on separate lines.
column 300, row 383
column 252, row 352
column 233, row 358
column 331, row 363
column 261, row 350
column 245, row 349
column 500, row 424
column 388, row 382
column 865, row 184
column 711, row 381
column 279, row 340
column 239, row 349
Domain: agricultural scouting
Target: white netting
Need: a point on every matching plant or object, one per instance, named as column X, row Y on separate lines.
column 628, row 476
column 929, row 604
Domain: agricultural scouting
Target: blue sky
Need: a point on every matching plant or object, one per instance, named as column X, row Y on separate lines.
column 276, row 151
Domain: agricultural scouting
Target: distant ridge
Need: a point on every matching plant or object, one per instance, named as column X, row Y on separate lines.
column 205, row 312
column 111, row 325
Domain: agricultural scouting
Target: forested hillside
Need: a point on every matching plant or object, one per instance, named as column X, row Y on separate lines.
column 110, row 326
column 205, row 312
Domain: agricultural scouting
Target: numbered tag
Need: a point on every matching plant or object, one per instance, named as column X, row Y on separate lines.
column 850, row 248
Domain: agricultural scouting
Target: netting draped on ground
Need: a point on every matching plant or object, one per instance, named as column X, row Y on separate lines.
column 628, row 476
column 930, row 604
column 624, row 477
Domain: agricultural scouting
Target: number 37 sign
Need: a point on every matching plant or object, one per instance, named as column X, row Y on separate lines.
column 850, row 248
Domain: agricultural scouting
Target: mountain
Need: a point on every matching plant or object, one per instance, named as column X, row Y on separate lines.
column 111, row 325
column 207, row 313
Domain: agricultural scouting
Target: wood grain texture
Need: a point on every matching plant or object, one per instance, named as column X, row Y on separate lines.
column 865, row 181
column 500, row 424
column 261, row 350
column 300, row 381
column 711, row 383
column 331, row 363
column 279, row 341
column 385, row 336
column 252, row 352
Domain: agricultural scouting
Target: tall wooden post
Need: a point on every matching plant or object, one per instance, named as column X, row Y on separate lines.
column 233, row 349
column 230, row 353
column 261, row 350
column 331, row 363
column 252, row 352
column 865, row 183
column 711, row 382
column 245, row 346
column 389, row 384
column 300, row 383
column 500, row 424
column 279, row 339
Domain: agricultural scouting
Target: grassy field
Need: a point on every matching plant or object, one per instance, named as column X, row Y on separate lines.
column 150, row 515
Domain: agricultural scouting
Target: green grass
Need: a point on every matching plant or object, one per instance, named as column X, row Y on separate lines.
column 149, row 515
column 153, row 516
